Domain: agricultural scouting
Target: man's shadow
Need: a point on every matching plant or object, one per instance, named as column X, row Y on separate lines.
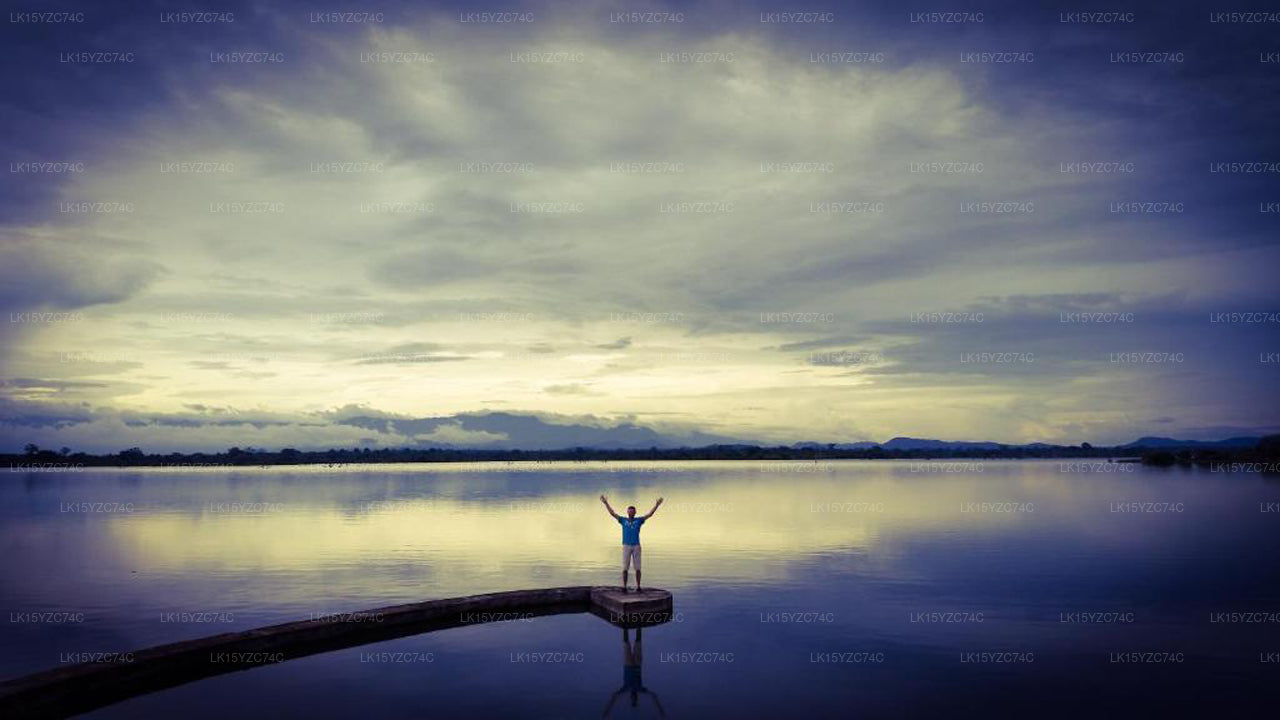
column 632, row 682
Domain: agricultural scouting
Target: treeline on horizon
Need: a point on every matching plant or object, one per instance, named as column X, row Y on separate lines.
column 1267, row 450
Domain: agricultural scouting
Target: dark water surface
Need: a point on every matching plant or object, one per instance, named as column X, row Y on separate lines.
column 832, row 589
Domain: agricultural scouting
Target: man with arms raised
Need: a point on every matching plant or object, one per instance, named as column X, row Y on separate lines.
column 630, row 537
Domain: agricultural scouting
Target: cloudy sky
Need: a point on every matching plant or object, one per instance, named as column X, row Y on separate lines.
column 759, row 221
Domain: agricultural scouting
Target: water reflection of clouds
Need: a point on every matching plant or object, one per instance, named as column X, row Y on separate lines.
column 417, row 531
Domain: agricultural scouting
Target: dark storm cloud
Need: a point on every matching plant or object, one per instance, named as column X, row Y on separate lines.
column 41, row 273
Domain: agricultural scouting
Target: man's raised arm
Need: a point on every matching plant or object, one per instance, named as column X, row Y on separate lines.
column 654, row 510
column 607, row 506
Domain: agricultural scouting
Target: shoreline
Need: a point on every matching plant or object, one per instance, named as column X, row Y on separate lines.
column 1264, row 452
column 52, row 466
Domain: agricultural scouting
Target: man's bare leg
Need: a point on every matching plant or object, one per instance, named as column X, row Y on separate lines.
column 624, row 581
column 637, row 581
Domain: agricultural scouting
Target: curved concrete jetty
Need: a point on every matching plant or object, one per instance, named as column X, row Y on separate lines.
column 80, row 688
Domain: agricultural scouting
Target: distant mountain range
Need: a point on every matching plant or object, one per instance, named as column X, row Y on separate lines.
column 906, row 443
column 508, row 437
column 500, row 430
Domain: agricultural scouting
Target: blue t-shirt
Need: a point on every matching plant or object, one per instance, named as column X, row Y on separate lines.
column 630, row 529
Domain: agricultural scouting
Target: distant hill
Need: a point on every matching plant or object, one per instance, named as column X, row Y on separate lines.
column 906, row 443
column 1164, row 442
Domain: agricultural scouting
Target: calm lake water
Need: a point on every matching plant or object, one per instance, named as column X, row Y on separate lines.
column 829, row 589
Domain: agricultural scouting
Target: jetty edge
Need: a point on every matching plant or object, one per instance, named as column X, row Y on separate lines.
column 74, row 689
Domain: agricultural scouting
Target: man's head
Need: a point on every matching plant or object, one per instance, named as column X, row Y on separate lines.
column 631, row 511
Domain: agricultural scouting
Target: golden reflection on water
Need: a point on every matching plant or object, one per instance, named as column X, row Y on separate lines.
column 720, row 519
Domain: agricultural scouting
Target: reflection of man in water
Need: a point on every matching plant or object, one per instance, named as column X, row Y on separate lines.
column 632, row 659
column 630, row 537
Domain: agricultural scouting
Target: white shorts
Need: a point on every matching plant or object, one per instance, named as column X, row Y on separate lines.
column 629, row 553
